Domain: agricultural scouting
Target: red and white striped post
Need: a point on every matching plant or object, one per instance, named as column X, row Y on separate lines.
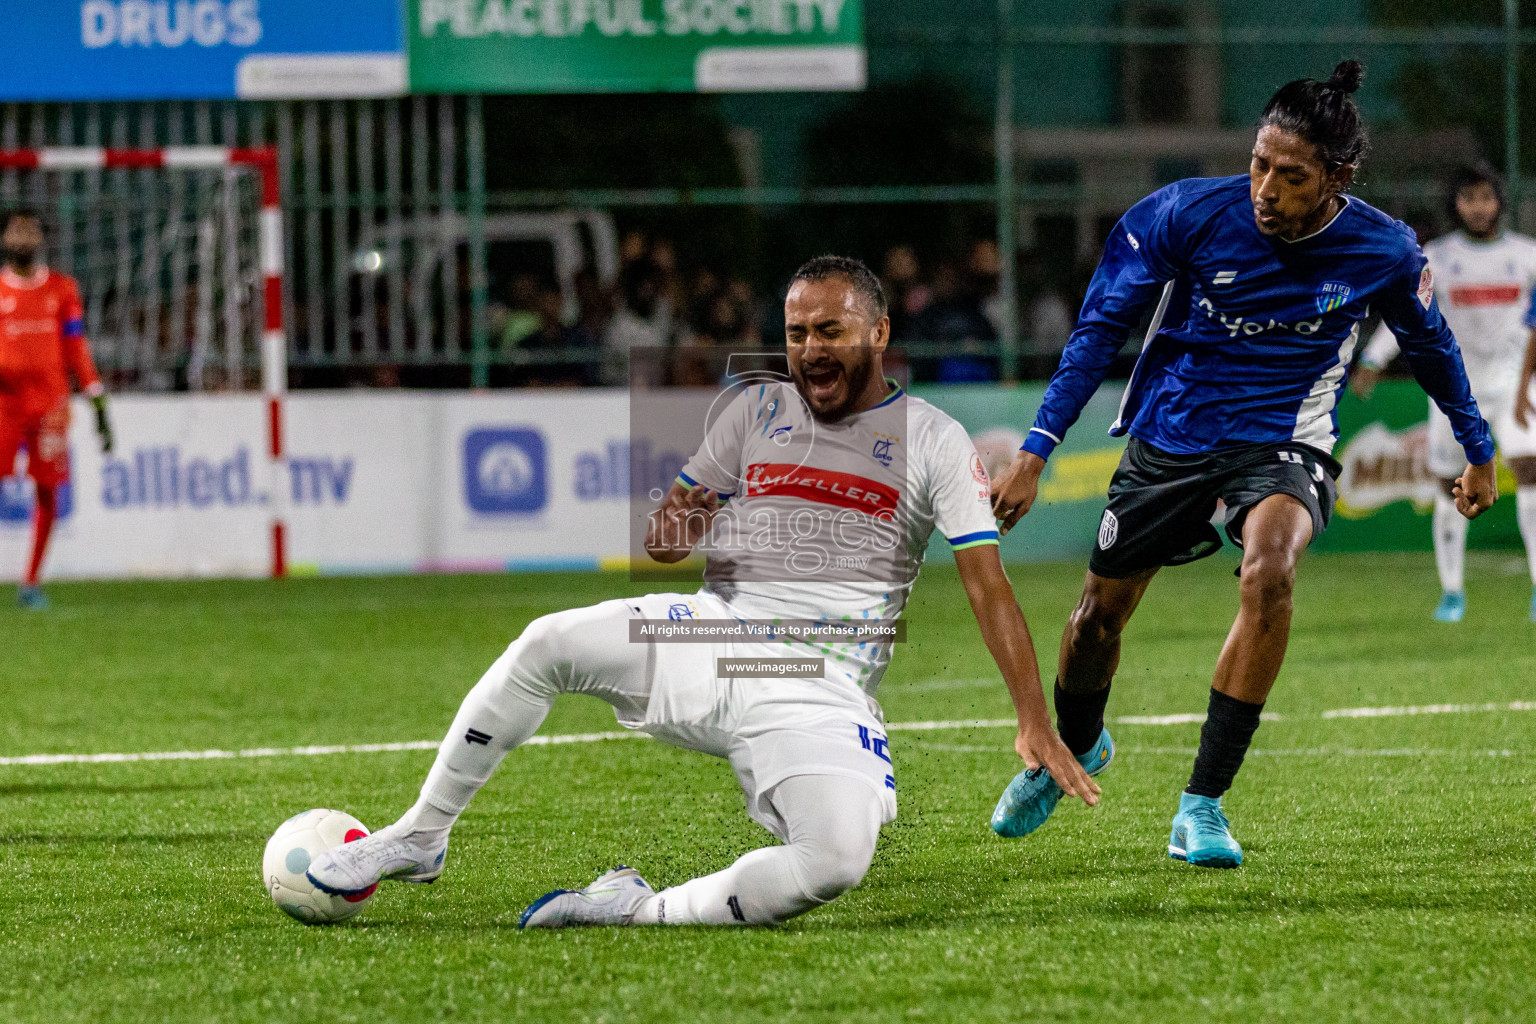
column 274, row 347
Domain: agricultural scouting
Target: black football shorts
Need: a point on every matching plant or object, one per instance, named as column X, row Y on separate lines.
column 1161, row 504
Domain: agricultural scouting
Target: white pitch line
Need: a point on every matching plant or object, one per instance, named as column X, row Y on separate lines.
column 559, row 739
column 1429, row 709
column 962, row 748
column 358, row 748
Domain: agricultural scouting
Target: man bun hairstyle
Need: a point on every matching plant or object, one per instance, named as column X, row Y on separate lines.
column 1476, row 172
column 1324, row 114
column 857, row 274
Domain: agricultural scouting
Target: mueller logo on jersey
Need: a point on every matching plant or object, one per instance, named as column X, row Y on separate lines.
column 1485, row 295
column 825, row 486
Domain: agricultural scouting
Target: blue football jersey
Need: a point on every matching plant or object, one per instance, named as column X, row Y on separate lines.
column 1251, row 336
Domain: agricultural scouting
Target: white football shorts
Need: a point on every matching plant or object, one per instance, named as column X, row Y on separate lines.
column 769, row 729
column 1447, row 459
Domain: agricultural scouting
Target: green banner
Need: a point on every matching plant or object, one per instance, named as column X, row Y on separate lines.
column 541, row 46
column 1385, row 492
column 1065, row 520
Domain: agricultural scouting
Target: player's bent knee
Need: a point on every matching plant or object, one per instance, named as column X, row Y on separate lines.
column 1094, row 624
column 1268, row 581
column 836, row 865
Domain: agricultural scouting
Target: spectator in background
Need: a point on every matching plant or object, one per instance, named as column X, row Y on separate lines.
column 565, row 366
column 518, row 317
column 957, row 321
column 906, row 294
column 640, row 321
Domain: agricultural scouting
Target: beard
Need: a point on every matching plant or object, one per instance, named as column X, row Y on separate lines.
column 856, row 377
column 21, row 258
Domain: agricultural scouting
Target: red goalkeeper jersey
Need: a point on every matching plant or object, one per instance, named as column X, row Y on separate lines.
column 42, row 343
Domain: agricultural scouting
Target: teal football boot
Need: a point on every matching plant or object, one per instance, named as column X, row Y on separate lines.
column 1202, row 835
column 1032, row 795
column 1533, row 606
column 1452, row 606
column 32, row 599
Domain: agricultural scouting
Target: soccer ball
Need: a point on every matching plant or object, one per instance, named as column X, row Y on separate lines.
column 298, row 841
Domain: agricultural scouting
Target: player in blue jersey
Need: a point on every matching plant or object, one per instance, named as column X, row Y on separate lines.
column 1255, row 287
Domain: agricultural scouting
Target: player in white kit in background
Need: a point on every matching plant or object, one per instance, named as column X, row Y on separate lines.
column 1482, row 278
column 813, row 499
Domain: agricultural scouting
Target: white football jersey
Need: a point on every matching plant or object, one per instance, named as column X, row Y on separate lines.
column 830, row 521
column 1484, row 291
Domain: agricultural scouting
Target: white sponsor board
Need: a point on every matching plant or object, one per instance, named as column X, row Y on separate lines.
column 374, row 482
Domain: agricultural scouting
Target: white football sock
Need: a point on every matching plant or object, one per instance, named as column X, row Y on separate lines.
column 1450, row 528
column 832, row 823
column 584, row 650
column 1525, row 511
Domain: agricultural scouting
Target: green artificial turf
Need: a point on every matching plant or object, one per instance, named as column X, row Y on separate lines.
column 1391, row 862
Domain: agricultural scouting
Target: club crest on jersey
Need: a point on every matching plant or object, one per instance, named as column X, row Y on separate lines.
column 882, row 448
column 1426, row 288
column 1331, row 296
column 682, row 610
column 1109, row 530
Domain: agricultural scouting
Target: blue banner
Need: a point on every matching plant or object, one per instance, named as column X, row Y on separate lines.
column 200, row 49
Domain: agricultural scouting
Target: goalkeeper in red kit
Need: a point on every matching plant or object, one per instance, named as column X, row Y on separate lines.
column 42, row 345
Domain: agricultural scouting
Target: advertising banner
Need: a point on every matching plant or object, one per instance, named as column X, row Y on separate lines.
column 1065, row 518
column 392, row 481
column 201, row 49
column 534, row 46
column 1386, row 492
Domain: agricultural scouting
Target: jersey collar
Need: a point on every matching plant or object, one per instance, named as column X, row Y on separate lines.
column 12, row 279
column 1331, row 222
column 896, row 393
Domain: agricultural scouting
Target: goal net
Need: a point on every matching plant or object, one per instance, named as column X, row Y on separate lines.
column 166, row 246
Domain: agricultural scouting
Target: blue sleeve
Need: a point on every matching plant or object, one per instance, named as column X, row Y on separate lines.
column 1530, row 311
column 1409, row 309
column 1139, row 258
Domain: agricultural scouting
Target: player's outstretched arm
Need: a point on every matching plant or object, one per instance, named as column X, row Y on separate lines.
column 680, row 522
column 1007, row 636
column 1013, row 493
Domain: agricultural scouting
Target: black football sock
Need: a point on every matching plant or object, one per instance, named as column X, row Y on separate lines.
column 1224, row 738
column 1080, row 717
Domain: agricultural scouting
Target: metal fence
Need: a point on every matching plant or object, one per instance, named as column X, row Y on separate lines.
column 388, row 220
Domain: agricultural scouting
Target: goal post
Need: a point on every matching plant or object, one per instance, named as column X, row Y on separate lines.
column 143, row 234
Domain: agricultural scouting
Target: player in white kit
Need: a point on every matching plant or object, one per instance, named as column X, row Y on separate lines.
column 813, row 500
column 1482, row 278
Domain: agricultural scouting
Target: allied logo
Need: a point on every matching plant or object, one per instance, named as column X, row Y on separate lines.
column 1331, row 296
column 18, row 495
column 1224, row 277
column 505, row 471
column 1109, row 531
column 882, row 449
column 1426, row 288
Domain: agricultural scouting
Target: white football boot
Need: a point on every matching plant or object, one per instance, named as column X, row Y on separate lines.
column 391, row 852
column 612, row 900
